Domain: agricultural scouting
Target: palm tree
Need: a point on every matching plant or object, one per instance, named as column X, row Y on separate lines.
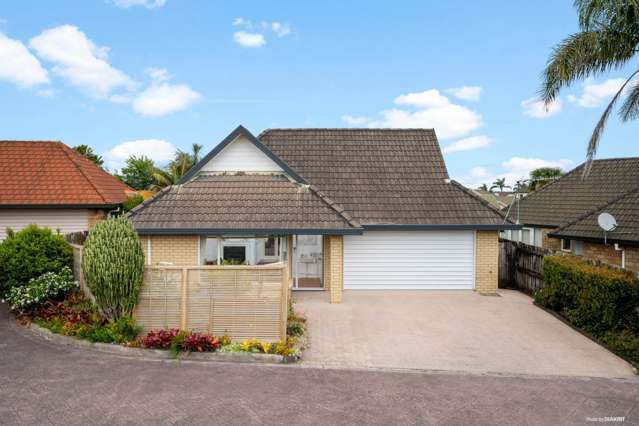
column 89, row 153
column 177, row 168
column 483, row 187
column 544, row 175
column 608, row 40
column 499, row 183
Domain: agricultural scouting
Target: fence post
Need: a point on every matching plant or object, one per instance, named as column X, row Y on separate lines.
column 284, row 320
column 185, row 294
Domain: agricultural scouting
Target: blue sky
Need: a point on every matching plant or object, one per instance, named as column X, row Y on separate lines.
column 146, row 76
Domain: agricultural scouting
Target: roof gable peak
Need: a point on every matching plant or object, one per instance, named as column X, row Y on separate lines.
column 240, row 131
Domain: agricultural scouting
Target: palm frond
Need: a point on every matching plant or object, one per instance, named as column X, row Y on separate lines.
column 582, row 55
column 630, row 108
column 596, row 133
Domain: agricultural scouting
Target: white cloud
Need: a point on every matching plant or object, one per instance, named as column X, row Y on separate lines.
column 246, row 39
column 162, row 98
column 466, row 93
column 254, row 35
column 513, row 169
column 18, row 65
column 595, row 93
column 536, row 108
column 281, row 30
column 426, row 99
column 79, row 61
column 467, row 144
column 149, row 4
column 158, row 150
column 427, row 109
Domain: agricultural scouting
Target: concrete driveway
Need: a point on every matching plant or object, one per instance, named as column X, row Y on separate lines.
column 449, row 330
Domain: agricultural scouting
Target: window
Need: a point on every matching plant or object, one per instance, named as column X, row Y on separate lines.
column 566, row 245
column 579, row 248
column 526, row 235
column 538, row 238
column 270, row 247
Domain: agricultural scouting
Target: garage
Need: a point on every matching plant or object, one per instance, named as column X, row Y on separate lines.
column 409, row 260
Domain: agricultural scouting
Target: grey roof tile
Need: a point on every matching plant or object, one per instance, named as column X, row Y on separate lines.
column 572, row 196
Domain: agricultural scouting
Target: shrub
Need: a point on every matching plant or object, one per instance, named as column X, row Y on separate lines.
column 596, row 298
column 47, row 287
column 625, row 343
column 113, row 267
column 197, row 342
column 158, row 339
column 30, row 253
column 120, row 331
column 132, row 202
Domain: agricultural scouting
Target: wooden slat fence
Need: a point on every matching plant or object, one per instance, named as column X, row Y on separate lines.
column 520, row 266
column 241, row 301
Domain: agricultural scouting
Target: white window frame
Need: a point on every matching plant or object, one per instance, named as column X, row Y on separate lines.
column 569, row 249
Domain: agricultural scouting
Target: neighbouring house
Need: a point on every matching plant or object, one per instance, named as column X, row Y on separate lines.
column 345, row 208
column 498, row 200
column 562, row 216
column 51, row 185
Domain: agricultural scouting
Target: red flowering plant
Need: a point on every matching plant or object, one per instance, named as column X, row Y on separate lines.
column 158, row 339
column 197, row 342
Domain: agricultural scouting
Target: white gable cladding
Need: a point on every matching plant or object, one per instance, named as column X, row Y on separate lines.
column 63, row 220
column 241, row 156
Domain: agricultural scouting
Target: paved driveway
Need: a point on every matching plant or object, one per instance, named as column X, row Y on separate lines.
column 43, row 383
column 449, row 330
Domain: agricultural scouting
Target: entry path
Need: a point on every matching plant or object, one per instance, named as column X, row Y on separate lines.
column 42, row 383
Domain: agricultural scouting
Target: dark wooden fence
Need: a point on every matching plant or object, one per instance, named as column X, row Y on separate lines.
column 520, row 266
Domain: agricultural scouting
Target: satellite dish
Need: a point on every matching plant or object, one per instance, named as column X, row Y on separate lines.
column 607, row 222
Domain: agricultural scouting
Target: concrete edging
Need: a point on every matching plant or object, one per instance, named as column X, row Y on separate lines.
column 154, row 354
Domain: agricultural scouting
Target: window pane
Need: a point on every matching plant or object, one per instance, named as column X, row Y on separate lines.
column 269, row 247
column 525, row 238
column 565, row 245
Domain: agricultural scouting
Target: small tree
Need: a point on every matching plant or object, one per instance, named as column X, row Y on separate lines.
column 113, row 267
column 89, row 153
column 138, row 172
column 544, row 175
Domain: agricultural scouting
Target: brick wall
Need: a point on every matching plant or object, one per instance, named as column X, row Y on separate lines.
column 549, row 243
column 180, row 250
column 95, row 216
column 486, row 261
column 333, row 264
column 608, row 254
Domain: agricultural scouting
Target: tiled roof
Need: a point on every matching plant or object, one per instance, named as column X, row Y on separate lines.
column 381, row 176
column 239, row 203
column 50, row 173
column 572, row 196
column 625, row 209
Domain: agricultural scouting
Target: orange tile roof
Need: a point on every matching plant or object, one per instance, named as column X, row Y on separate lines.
column 50, row 173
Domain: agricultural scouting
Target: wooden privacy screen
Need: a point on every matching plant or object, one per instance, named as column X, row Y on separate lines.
column 241, row 301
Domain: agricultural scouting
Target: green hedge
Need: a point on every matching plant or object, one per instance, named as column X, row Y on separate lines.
column 600, row 300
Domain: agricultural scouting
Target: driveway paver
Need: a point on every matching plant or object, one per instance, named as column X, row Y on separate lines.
column 452, row 331
column 42, row 383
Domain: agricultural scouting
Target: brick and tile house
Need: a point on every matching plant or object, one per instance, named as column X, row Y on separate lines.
column 562, row 216
column 51, row 185
column 346, row 208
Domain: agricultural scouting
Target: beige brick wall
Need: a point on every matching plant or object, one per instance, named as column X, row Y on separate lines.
column 333, row 263
column 179, row 250
column 608, row 254
column 486, row 261
column 549, row 243
column 95, row 216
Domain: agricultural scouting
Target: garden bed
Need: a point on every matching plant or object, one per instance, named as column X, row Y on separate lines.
column 76, row 322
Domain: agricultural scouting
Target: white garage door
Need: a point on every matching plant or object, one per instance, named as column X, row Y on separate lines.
column 63, row 220
column 409, row 260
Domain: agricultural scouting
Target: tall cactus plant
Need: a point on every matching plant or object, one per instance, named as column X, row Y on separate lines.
column 113, row 266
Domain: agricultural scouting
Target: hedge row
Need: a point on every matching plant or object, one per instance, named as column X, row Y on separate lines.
column 600, row 300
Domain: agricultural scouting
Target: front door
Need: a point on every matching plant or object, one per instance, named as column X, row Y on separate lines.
column 308, row 262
